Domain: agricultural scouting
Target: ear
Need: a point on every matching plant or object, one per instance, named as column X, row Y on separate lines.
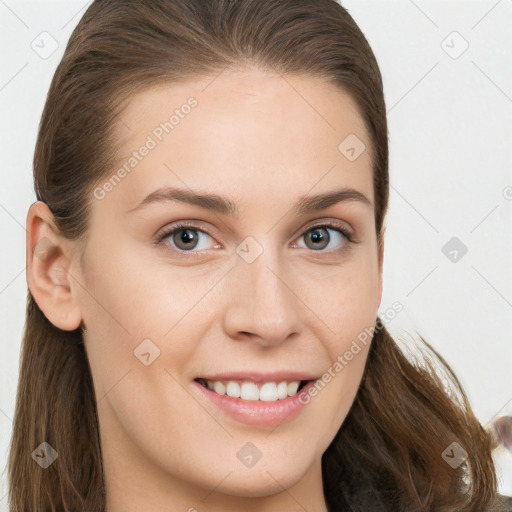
column 381, row 264
column 48, row 264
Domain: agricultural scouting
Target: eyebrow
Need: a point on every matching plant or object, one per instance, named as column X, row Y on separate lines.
column 227, row 207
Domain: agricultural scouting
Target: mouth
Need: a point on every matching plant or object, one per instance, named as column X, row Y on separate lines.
column 255, row 399
column 250, row 390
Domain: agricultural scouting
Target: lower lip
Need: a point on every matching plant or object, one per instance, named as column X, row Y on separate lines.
column 257, row 412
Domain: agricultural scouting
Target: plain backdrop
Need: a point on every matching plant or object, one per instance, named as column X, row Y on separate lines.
column 448, row 86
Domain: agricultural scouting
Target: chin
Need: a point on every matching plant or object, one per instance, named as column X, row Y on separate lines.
column 258, row 485
column 262, row 480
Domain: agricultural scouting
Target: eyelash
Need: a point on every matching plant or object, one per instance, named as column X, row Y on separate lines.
column 330, row 224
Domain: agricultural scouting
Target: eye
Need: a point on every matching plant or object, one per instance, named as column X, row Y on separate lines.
column 318, row 237
column 185, row 237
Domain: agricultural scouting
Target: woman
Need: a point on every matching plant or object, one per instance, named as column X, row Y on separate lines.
column 204, row 265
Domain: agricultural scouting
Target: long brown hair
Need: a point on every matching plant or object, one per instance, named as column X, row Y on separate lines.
column 388, row 451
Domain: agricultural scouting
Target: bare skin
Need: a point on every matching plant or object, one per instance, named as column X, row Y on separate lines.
column 263, row 144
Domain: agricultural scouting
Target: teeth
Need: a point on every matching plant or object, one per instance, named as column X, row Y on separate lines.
column 249, row 391
column 292, row 387
column 282, row 390
column 219, row 388
column 232, row 390
column 268, row 392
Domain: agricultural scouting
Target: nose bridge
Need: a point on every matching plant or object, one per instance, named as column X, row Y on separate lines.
column 266, row 305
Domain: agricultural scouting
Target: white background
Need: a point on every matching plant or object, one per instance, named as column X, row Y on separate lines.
column 450, row 128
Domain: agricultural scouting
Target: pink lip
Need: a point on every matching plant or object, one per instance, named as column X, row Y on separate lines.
column 258, row 413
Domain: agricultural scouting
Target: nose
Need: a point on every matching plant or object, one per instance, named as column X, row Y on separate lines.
column 262, row 304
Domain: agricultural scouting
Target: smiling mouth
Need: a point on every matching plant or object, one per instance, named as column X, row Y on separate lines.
column 271, row 391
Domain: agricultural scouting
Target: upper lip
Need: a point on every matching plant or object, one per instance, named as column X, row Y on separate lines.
column 278, row 376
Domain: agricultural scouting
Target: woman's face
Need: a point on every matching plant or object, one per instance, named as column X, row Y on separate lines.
column 245, row 295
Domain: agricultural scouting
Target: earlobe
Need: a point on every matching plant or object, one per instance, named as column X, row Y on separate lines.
column 48, row 269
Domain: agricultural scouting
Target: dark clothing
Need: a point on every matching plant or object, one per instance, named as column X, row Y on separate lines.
column 507, row 504
column 367, row 502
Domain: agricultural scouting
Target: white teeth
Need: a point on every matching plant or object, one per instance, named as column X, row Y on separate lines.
column 219, row 388
column 282, row 390
column 249, row 391
column 292, row 388
column 268, row 392
column 233, row 389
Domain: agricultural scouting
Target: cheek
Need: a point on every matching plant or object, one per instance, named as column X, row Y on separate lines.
column 347, row 351
column 123, row 287
column 346, row 296
column 134, row 305
column 116, row 304
column 349, row 307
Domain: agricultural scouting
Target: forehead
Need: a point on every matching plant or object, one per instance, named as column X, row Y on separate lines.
column 230, row 96
column 241, row 132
